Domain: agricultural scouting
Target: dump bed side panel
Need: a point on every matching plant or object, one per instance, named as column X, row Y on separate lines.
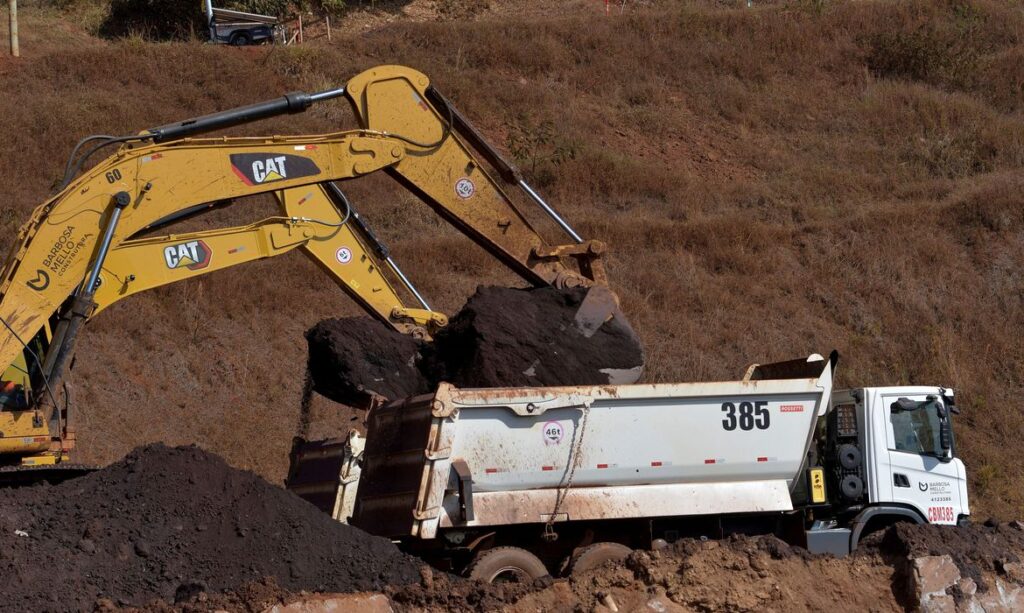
column 742, row 435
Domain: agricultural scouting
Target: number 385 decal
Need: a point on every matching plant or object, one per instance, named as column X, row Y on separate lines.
column 749, row 416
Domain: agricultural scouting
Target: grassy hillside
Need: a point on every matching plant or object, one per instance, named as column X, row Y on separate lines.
column 772, row 182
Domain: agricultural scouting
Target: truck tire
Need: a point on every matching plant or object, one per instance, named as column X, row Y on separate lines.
column 506, row 564
column 240, row 39
column 597, row 554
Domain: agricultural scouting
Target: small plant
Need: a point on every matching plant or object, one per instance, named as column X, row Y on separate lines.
column 540, row 148
column 985, row 477
column 814, row 7
column 460, row 9
column 333, row 7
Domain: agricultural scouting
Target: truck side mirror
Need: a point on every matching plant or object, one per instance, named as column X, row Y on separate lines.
column 945, row 439
column 945, row 432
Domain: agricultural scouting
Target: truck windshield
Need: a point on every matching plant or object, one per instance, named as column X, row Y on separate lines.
column 917, row 430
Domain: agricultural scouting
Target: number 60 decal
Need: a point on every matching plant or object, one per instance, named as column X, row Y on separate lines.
column 751, row 415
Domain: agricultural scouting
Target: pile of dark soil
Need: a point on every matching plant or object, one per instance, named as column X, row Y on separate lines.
column 501, row 337
column 975, row 547
column 167, row 523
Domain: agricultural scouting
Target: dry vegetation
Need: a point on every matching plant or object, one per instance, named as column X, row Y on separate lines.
column 772, row 182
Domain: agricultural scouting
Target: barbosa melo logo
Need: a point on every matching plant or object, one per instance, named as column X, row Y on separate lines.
column 260, row 168
column 193, row 255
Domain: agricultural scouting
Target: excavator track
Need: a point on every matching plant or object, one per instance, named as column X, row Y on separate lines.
column 21, row 476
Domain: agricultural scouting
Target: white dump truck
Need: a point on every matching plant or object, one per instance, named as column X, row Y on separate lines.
column 522, row 482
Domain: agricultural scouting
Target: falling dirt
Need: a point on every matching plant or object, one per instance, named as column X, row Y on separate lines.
column 354, row 358
column 501, row 337
column 170, row 523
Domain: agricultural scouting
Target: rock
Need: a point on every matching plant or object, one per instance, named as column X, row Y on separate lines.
column 1014, row 571
column 967, row 587
column 943, row 603
column 337, row 603
column 662, row 604
column 142, row 549
column 1005, row 597
column 426, row 577
column 930, row 577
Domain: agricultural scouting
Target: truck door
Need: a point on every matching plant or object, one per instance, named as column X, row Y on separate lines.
column 924, row 475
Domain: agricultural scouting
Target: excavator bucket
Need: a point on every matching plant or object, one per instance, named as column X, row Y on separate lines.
column 600, row 308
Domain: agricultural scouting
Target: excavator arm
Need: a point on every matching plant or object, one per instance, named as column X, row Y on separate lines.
column 337, row 241
column 81, row 250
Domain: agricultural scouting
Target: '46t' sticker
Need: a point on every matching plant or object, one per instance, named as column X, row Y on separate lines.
column 553, row 433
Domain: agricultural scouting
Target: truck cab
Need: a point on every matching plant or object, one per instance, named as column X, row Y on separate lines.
column 890, row 455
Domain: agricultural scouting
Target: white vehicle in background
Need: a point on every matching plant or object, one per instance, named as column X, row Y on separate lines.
column 523, row 482
column 239, row 29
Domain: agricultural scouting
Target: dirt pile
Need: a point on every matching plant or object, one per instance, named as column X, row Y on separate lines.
column 735, row 574
column 763, row 573
column 168, row 523
column 895, row 571
column 501, row 337
column 976, row 548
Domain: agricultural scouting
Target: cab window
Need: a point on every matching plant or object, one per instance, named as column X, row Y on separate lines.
column 917, row 430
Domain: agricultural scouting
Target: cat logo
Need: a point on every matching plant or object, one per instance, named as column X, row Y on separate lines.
column 260, row 168
column 193, row 255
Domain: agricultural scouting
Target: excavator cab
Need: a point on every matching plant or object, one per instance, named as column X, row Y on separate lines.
column 24, row 427
column 24, row 373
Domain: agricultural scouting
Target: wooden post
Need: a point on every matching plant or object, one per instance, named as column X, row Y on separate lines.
column 328, row 18
column 300, row 29
column 13, row 6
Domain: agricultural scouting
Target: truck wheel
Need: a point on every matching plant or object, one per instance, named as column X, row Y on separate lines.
column 597, row 554
column 240, row 39
column 506, row 565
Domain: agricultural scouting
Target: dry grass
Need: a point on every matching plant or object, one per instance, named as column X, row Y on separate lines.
column 773, row 182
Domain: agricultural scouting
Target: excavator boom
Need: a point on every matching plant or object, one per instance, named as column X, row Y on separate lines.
column 83, row 249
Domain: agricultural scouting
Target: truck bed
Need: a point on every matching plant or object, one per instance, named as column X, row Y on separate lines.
column 478, row 457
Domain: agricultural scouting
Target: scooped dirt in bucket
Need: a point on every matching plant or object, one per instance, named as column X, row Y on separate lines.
column 501, row 337
column 167, row 523
column 545, row 336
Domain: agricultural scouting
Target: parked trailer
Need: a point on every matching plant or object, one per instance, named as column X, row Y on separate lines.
column 530, row 481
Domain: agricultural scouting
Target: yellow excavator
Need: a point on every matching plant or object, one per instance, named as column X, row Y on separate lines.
column 93, row 243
